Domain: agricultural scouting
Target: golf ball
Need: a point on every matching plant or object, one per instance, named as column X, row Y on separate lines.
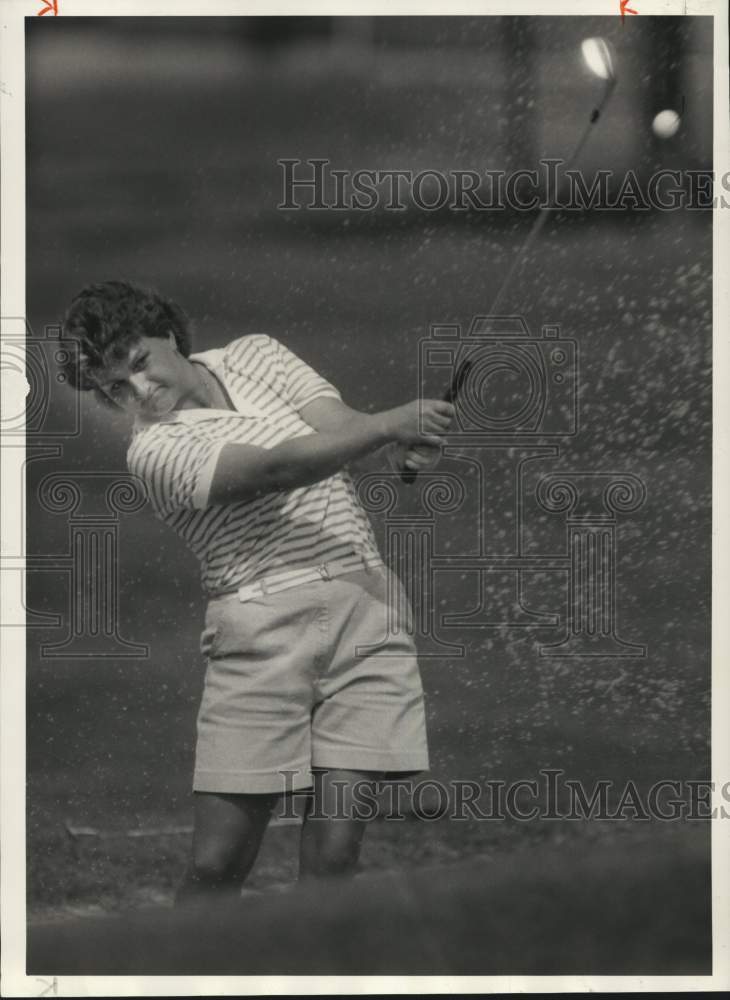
column 665, row 124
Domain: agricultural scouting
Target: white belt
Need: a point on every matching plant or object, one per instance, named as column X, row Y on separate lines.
column 276, row 582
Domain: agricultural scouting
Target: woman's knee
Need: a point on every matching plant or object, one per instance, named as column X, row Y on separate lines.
column 337, row 849
column 216, row 860
column 213, row 863
column 228, row 833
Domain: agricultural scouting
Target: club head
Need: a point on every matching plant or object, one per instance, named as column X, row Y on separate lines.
column 598, row 58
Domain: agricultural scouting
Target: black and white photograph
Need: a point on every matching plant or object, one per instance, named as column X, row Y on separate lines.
column 359, row 478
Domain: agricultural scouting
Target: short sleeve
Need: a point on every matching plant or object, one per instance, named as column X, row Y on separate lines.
column 264, row 359
column 176, row 466
column 303, row 383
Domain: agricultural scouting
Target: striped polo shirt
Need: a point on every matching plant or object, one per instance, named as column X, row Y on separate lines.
column 279, row 533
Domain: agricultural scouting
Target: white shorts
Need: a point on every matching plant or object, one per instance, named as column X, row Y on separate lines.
column 293, row 683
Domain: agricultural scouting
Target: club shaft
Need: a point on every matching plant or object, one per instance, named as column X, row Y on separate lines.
column 547, row 210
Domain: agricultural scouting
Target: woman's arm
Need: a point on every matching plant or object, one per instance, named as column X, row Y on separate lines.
column 326, row 412
column 244, row 472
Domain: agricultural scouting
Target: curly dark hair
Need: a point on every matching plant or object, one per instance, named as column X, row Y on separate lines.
column 106, row 319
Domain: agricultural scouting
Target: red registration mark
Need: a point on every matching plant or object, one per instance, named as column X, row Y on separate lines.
column 625, row 9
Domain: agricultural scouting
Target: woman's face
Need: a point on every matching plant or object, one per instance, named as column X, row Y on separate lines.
column 152, row 381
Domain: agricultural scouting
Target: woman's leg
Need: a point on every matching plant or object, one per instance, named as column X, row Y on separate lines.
column 332, row 832
column 227, row 835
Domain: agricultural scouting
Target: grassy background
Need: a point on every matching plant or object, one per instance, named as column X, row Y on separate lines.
column 157, row 163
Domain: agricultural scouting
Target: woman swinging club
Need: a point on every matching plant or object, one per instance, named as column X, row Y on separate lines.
column 243, row 450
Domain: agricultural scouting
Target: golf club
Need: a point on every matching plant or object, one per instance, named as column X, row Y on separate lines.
column 597, row 57
column 450, row 396
column 599, row 60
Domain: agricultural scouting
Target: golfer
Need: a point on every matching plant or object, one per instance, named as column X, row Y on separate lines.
column 243, row 450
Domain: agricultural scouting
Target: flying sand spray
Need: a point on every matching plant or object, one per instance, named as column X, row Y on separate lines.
column 599, row 60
